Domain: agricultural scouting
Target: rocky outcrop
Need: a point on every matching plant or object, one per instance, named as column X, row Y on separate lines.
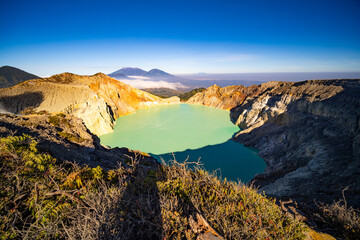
column 307, row 132
column 67, row 139
column 223, row 98
column 227, row 97
column 97, row 99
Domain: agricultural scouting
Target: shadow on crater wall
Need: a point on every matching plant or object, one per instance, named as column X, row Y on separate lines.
column 312, row 148
column 17, row 103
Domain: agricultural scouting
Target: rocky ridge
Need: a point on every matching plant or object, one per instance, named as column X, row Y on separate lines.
column 228, row 97
column 307, row 132
column 97, row 99
column 66, row 138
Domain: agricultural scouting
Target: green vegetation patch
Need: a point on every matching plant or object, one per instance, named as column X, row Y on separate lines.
column 71, row 137
column 31, row 111
column 186, row 96
column 163, row 92
column 58, row 120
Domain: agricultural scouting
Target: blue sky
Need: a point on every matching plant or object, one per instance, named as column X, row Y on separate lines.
column 85, row 37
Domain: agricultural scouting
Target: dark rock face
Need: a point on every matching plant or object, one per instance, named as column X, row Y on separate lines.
column 309, row 135
column 67, row 139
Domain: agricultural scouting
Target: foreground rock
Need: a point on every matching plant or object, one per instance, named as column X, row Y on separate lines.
column 97, row 99
column 307, row 132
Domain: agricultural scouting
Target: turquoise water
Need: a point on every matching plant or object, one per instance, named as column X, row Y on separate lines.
column 188, row 131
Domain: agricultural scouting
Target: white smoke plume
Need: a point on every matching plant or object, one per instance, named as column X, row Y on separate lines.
column 141, row 84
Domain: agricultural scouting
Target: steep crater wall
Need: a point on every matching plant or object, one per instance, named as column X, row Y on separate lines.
column 308, row 134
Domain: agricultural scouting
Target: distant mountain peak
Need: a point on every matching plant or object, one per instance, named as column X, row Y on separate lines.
column 10, row 76
column 157, row 73
column 128, row 71
column 131, row 68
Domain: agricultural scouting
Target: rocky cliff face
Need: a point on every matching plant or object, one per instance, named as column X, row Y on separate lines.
column 228, row 97
column 223, row 98
column 97, row 99
column 307, row 132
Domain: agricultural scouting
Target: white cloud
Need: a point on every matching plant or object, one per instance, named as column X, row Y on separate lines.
column 141, row 84
column 138, row 77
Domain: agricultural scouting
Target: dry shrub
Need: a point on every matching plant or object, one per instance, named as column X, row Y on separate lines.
column 343, row 219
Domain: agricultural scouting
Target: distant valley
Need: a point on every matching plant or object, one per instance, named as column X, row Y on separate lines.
column 156, row 78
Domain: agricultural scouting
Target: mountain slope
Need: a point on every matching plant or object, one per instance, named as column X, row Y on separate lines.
column 128, row 71
column 153, row 73
column 97, row 99
column 163, row 92
column 10, row 76
column 118, row 75
column 307, row 132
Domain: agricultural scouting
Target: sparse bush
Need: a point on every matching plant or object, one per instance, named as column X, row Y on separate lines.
column 31, row 111
column 71, row 137
column 28, row 111
column 59, row 119
column 186, row 96
column 42, row 112
column 54, row 120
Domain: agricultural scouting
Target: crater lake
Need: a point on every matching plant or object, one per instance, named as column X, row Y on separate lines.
column 192, row 132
